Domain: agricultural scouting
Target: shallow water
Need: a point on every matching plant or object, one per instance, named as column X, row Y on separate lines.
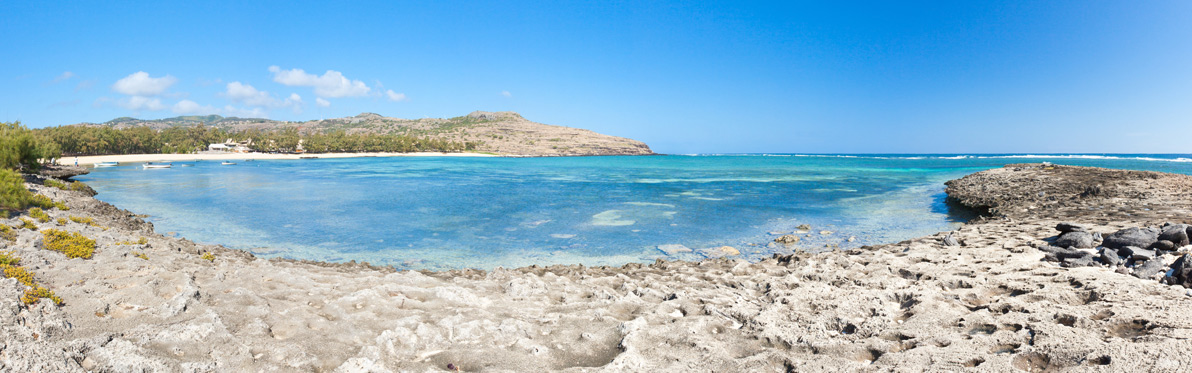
column 450, row 212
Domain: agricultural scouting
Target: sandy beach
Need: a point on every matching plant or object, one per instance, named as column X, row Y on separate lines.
column 984, row 297
column 140, row 158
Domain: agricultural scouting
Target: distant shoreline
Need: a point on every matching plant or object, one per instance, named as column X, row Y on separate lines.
column 137, row 158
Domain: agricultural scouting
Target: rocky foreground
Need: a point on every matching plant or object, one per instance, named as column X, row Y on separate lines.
column 990, row 296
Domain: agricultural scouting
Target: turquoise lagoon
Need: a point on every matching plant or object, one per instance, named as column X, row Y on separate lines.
column 451, row 212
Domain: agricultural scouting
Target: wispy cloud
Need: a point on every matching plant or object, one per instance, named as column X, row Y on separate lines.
column 331, row 84
column 141, row 103
column 394, row 96
column 85, row 85
column 506, row 94
column 321, row 102
column 62, row 78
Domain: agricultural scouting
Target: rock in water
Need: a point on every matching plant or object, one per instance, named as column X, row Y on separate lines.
column 719, row 252
column 673, row 249
column 1070, row 227
column 787, row 239
column 1149, row 269
column 1139, row 237
column 1075, row 239
column 1176, row 233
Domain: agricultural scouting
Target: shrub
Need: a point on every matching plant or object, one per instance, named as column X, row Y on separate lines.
column 208, row 256
column 55, row 183
column 28, row 224
column 6, row 232
column 62, row 221
column 84, row 220
column 140, row 255
column 37, row 293
column 9, row 258
column 42, row 202
column 23, row 276
column 141, row 241
column 61, row 206
column 72, row 244
column 13, row 195
column 79, row 186
column 39, row 214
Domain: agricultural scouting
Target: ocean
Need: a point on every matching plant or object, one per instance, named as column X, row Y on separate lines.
column 453, row 212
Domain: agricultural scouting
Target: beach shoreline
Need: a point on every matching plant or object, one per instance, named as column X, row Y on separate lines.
column 141, row 158
column 984, row 296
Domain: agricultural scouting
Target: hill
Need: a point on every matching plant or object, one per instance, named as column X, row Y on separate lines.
column 506, row 132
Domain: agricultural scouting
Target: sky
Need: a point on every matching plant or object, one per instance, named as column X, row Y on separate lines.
column 1082, row 76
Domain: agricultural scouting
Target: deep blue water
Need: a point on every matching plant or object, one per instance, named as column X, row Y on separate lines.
column 449, row 212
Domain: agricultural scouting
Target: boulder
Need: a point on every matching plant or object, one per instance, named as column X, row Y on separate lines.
column 1083, row 261
column 1149, row 269
column 1070, row 227
column 1181, row 271
column 1163, row 245
column 1139, row 237
column 1176, row 233
column 1110, row 257
column 1075, row 239
column 1136, row 254
column 787, row 239
column 1057, row 253
column 951, row 241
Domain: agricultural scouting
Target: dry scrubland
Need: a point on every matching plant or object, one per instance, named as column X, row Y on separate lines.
column 984, row 298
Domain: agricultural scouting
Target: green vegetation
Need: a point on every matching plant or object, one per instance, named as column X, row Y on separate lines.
column 142, row 241
column 13, row 195
column 39, row 214
column 9, row 268
column 24, row 149
column 9, row 258
column 189, row 139
column 27, row 224
column 41, row 201
column 140, row 255
column 37, row 293
column 72, row 244
column 83, row 220
column 7, row 233
column 208, row 256
column 77, row 186
column 62, row 221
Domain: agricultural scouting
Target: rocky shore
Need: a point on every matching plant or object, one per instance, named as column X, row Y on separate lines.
column 998, row 294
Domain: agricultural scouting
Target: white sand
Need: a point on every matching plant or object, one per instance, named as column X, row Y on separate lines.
column 138, row 158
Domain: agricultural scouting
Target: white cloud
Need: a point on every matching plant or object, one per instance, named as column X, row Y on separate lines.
column 394, row 96
column 250, row 96
column 331, row 84
column 141, row 84
column 61, row 78
column 191, row 107
column 321, row 102
column 139, row 103
column 506, row 94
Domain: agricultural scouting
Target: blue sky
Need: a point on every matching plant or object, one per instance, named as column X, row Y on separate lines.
column 685, row 77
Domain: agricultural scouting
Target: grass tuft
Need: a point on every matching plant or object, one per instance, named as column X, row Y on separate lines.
column 39, row 214
column 27, row 224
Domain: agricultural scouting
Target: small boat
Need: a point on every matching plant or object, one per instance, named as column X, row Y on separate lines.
column 151, row 165
column 226, row 163
column 107, row 164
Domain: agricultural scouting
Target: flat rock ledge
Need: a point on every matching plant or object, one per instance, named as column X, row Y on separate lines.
column 980, row 298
